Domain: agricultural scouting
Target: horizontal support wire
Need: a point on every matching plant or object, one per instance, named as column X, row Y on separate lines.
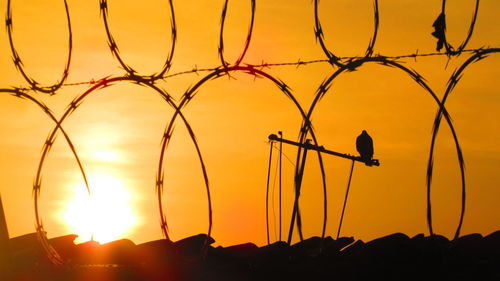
column 263, row 65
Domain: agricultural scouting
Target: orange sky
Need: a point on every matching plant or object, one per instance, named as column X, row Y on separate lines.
column 117, row 130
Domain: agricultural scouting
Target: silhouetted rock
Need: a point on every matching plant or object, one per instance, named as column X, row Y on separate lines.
column 391, row 241
column 26, row 253
column 310, row 247
column 418, row 236
column 468, row 245
column 117, row 252
column 274, row 250
column 191, row 248
column 390, row 247
column 23, row 242
column 64, row 245
column 245, row 250
column 87, row 253
column 337, row 245
column 354, row 248
column 492, row 242
column 275, row 255
column 155, row 251
column 392, row 257
column 438, row 240
column 120, row 251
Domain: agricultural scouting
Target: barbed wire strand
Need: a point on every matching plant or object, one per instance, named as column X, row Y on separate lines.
column 298, row 63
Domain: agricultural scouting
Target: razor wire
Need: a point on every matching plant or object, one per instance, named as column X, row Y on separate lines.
column 340, row 65
column 103, row 5
column 221, row 34
column 34, row 85
column 318, row 32
column 440, row 31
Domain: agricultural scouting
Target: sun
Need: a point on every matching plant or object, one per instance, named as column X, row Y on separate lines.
column 104, row 215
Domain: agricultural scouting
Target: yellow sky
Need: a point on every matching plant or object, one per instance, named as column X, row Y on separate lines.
column 117, row 131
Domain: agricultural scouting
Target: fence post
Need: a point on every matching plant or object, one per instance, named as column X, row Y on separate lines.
column 4, row 242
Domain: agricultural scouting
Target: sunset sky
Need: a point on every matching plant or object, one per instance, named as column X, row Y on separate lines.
column 117, row 131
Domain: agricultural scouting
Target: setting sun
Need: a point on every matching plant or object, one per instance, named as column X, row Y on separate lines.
column 104, row 215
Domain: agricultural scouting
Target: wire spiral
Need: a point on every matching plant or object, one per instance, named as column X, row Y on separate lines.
column 247, row 40
column 318, row 32
column 34, row 85
column 440, row 33
column 103, row 5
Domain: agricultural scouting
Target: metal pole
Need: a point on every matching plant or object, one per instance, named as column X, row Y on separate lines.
column 281, row 156
column 4, row 242
column 371, row 162
column 267, row 190
column 299, row 174
column 345, row 200
column 298, row 182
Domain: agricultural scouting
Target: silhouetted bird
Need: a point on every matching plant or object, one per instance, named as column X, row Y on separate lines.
column 364, row 145
column 439, row 31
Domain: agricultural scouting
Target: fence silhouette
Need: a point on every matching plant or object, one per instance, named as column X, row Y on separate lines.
column 339, row 64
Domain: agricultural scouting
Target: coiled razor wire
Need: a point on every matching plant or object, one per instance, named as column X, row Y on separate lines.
column 440, row 31
column 341, row 65
column 452, row 82
column 103, row 5
column 318, row 32
column 52, row 254
column 19, row 63
column 221, row 35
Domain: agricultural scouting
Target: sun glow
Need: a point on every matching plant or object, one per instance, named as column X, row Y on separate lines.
column 104, row 215
column 106, row 156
